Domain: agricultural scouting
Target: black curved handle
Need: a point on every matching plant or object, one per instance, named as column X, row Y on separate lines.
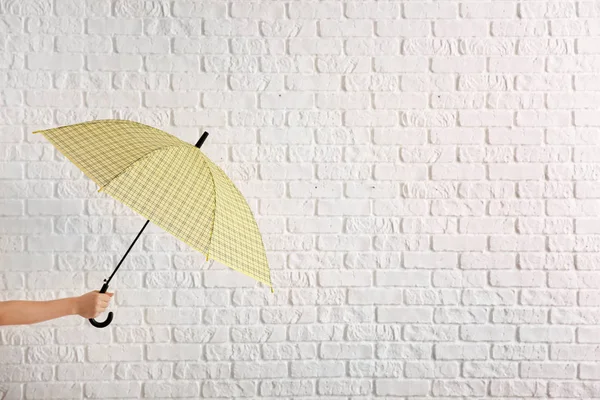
column 110, row 314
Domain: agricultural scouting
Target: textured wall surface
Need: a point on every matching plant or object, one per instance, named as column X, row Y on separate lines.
column 424, row 173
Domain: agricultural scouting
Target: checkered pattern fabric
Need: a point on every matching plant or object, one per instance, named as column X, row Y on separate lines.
column 171, row 183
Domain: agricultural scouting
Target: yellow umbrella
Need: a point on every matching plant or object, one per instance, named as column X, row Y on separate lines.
column 171, row 183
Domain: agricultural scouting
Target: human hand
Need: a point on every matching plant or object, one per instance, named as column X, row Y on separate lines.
column 92, row 304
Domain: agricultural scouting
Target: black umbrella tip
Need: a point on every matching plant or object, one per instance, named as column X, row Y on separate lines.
column 201, row 140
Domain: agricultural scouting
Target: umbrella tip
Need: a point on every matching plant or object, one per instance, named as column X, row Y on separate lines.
column 201, row 140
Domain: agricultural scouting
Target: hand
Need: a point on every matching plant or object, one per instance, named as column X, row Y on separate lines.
column 92, row 304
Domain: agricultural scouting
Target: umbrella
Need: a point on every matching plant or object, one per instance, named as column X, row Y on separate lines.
column 171, row 183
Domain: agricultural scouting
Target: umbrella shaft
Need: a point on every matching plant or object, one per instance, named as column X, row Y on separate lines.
column 199, row 144
column 127, row 252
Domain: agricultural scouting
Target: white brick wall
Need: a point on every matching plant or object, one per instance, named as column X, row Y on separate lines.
column 424, row 174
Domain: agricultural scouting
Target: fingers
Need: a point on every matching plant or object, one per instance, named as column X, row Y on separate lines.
column 101, row 303
column 105, row 296
column 99, row 310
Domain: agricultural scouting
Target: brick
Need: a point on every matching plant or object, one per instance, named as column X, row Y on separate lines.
column 460, row 315
column 519, row 315
column 489, row 297
column 519, row 388
column 487, row 261
column 228, row 389
column 345, row 351
column 316, row 46
column 402, row 388
column 427, row 369
column 429, row 225
column 70, row 62
column 488, row 10
column 395, row 64
column 461, row 351
column 540, row 297
column 109, row 353
column 587, row 371
column 15, row 373
column 431, row 11
column 490, row 370
column 286, row 387
column 490, row 118
column 548, row 370
column 53, row 390
column 209, row 10
column 316, row 10
column 574, row 389
column 458, row 243
column 382, row 10
column 454, row 28
column 516, row 352
column 117, row 390
column 495, row 333
column 554, row 334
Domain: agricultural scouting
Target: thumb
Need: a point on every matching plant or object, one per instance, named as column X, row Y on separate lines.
column 110, row 294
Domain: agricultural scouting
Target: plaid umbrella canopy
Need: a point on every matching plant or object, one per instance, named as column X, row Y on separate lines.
column 171, row 183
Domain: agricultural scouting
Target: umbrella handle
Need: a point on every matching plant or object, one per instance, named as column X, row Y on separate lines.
column 110, row 314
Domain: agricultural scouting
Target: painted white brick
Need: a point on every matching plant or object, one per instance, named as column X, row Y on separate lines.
column 588, row 371
column 304, row 369
column 394, row 64
column 490, row 370
column 427, row 369
column 171, row 389
column 170, row 99
column 401, row 350
column 489, row 297
column 487, row 10
column 286, row 387
column 205, row 9
column 119, row 390
column 161, row 352
column 402, row 387
column 554, row 334
column 549, row 370
column 74, row 372
column 487, row 118
column 53, row 390
column 316, row 10
column 190, row 370
column 404, row 315
column 431, row 10
column 476, row 27
column 458, row 243
column 574, row 389
column 461, row 351
column 521, row 389
column 382, row 10
column 492, row 333
column 487, row 261
column 457, row 172
column 429, row 225
column 111, row 353
column 517, row 279
column 460, row 315
column 519, row 352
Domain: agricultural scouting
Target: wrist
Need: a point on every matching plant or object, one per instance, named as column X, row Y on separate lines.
column 73, row 305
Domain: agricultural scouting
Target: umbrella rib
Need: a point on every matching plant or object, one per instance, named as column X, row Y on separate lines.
column 126, row 169
column 212, row 228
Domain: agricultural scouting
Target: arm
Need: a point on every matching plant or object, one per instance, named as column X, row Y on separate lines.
column 19, row 312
